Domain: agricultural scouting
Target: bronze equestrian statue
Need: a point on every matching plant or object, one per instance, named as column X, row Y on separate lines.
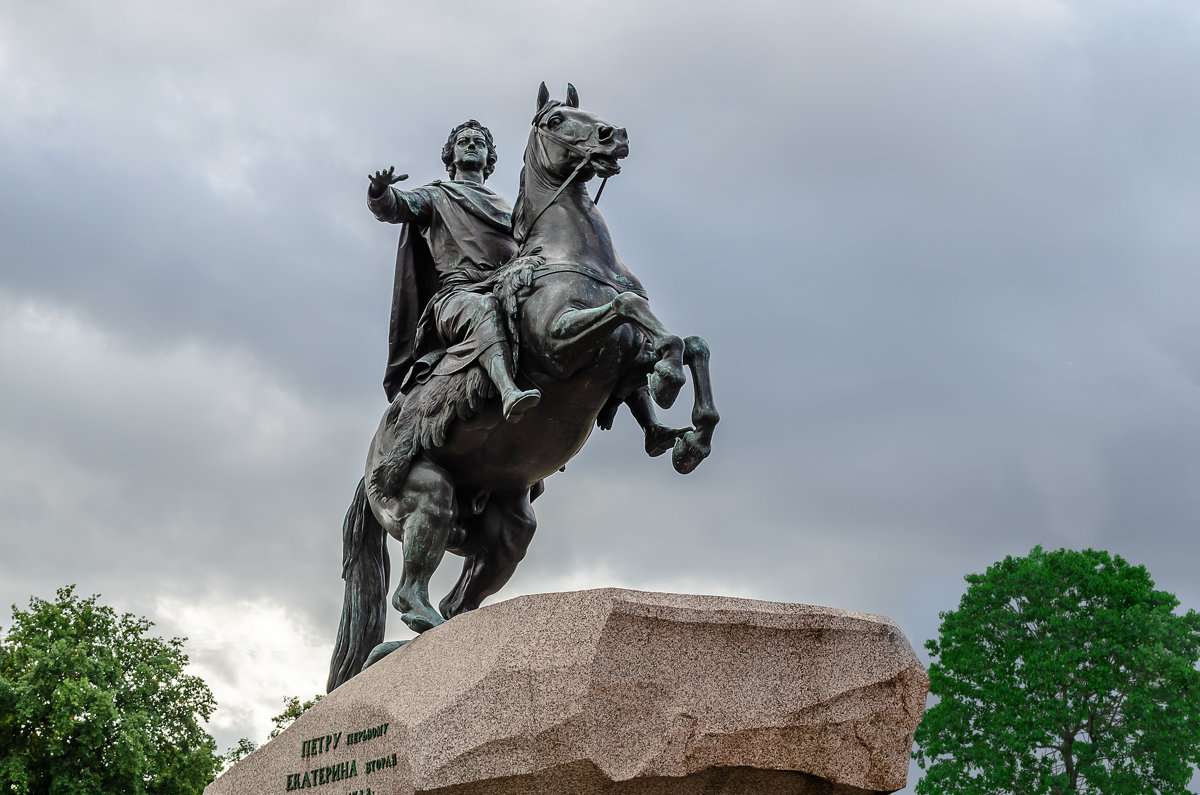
column 449, row 468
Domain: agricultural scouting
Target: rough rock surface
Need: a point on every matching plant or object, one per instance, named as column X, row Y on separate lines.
column 611, row 692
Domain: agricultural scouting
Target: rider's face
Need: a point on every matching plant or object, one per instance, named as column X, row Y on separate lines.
column 470, row 150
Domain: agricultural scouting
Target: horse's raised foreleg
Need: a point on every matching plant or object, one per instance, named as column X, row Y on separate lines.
column 694, row 446
column 581, row 326
column 505, row 529
column 421, row 518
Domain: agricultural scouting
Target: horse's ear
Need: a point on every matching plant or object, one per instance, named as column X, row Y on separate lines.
column 572, row 96
column 543, row 96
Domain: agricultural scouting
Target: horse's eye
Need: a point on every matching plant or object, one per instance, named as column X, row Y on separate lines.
column 554, row 121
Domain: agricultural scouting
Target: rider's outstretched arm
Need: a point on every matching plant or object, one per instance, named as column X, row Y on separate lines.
column 396, row 206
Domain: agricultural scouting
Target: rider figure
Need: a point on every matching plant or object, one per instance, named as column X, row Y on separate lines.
column 444, row 316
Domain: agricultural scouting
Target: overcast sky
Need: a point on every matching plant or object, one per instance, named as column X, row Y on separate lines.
column 945, row 255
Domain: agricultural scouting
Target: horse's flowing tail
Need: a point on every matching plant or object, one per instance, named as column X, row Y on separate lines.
column 365, row 568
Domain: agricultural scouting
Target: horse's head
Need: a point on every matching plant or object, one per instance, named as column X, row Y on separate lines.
column 570, row 136
column 567, row 146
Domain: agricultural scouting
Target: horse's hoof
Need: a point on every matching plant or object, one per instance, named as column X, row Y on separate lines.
column 665, row 383
column 450, row 611
column 422, row 622
column 414, row 611
column 660, row 439
column 688, row 453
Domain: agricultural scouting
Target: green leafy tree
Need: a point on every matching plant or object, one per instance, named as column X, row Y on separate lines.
column 292, row 709
column 92, row 705
column 245, row 746
column 1062, row 672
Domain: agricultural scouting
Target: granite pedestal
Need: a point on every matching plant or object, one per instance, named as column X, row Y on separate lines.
column 614, row 692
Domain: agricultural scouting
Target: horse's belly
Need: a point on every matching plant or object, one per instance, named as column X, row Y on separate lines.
column 488, row 453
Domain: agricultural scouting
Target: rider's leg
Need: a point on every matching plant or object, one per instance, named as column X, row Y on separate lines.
column 473, row 319
column 505, row 530
column 429, row 512
column 497, row 361
column 573, row 325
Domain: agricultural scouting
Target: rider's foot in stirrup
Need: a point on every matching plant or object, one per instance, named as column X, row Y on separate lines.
column 517, row 402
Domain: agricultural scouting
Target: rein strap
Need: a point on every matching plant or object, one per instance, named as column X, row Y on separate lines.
column 587, row 158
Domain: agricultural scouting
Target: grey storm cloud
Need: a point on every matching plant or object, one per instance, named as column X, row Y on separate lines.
column 944, row 255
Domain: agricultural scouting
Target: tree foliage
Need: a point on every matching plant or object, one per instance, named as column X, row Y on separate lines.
column 245, row 746
column 292, row 709
column 90, row 704
column 1062, row 672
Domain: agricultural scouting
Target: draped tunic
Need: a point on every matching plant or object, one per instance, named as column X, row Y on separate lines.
column 455, row 235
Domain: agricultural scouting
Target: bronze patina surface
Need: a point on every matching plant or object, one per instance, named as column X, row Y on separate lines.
column 513, row 335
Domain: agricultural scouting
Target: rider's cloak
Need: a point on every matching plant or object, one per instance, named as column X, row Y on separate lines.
column 471, row 229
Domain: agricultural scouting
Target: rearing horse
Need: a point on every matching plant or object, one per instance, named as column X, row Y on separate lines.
column 445, row 472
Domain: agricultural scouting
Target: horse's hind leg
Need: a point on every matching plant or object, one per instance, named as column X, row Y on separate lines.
column 659, row 438
column 505, row 529
column 423, row 518
column 575, row 325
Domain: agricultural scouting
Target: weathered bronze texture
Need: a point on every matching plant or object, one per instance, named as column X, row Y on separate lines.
column 456, row 234
column 550, row 321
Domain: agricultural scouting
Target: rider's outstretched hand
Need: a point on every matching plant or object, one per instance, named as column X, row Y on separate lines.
column 383, row 180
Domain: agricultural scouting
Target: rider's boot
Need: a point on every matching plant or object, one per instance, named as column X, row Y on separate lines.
column 516, row 401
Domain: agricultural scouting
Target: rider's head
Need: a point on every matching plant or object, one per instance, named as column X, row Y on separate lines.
column 470, row 126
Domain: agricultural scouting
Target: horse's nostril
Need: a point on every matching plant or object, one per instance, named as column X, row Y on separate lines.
column 605, row 132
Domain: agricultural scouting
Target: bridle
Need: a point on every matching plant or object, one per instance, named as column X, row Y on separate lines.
column 587, row 159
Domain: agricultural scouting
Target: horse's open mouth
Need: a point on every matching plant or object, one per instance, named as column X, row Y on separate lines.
column 606, row 165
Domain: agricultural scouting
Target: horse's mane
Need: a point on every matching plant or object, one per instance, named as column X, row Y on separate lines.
column 521, row 210
column 521, row 207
